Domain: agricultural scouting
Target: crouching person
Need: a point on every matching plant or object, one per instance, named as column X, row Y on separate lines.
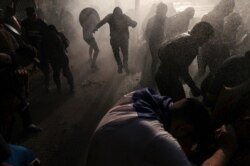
column 144, row 128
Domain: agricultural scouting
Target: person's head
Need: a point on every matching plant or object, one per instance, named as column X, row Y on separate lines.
column 202, row 32
column 189, row 12
column 190, row 122
column 117, row 11
column 31, row 13
column 161, row 9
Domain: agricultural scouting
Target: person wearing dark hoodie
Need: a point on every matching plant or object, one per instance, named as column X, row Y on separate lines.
column 54, row 45
column 119, row 24
column 144, row 128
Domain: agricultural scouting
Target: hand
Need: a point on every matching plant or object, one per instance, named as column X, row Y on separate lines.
column 195, row 91
column 227, row 138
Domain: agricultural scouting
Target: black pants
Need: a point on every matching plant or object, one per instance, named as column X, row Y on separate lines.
column 117, row 44
column 170, row 85
column 63, row 65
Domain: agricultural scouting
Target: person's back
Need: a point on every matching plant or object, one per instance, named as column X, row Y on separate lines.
column 178, row 53
column 129, row 136
column 52, row 45
column 119, row 26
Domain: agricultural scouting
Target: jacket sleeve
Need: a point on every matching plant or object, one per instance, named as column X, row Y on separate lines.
column 103, row 21
column 131, row 22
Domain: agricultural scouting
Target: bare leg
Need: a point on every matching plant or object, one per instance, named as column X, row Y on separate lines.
column 96, row 52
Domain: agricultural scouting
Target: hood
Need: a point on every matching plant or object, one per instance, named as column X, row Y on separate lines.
column 149, row 104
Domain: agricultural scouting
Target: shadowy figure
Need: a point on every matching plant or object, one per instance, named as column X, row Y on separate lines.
column 119, row 35
column 176, row 56
column 179, row 23
column 155, row 34
column 216, row 18
column 32, row 31
column 54, row 47
column 88, row 19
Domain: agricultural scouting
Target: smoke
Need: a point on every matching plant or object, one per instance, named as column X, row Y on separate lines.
column 144, row 12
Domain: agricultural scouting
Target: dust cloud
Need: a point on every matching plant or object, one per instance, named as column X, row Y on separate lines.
column 139, row 10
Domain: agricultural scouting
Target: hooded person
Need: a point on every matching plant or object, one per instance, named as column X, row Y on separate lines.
column 119, row 24
column 216, row 18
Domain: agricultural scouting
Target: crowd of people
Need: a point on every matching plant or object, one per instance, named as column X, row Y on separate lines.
column 159, row 125
column 167, row 128
column 25, row 46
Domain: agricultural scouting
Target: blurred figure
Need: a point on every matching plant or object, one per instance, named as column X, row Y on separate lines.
column 179, row 23
column 145, row 128
column 14, row 57
column 13, row 95
column 231, row 28
column 232, row 73
column 155, row 33
column 53, row 46
column 88, row 19
column 33, row 29
column 218, row 51
column 216, row 19
column 119, row 35
column 176, row 56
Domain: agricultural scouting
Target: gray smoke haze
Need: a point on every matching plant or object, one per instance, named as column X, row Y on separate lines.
column 140, row 13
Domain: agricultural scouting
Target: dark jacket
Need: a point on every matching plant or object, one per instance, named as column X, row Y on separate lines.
column 118, row 25
column 177, row 55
